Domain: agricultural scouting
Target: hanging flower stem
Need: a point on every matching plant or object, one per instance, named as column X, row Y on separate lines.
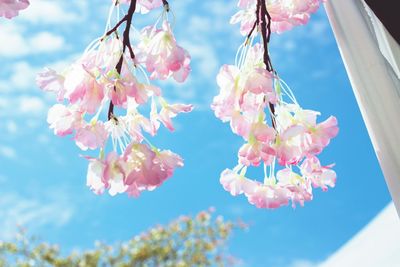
column 265, row 27
column 126, row 44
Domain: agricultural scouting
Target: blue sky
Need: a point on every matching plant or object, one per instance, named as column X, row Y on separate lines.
column 42, row 177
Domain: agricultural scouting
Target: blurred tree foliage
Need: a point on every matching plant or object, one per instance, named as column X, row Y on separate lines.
column 187, row 241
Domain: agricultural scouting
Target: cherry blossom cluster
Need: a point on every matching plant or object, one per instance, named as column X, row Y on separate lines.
column 11, row 8
column 278, row 133
column 116, row 74
column 285, row 14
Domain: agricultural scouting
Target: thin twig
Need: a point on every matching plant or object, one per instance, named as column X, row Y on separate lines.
column 166, row 5
column 115, row 28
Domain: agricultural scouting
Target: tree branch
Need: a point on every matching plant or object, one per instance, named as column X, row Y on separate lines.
column 126, row 44
column 262, row 16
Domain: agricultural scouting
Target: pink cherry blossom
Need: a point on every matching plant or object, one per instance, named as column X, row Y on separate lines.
column 245, row 126
column 170, row 111
column 105, row 57
column 135, row 123
column 240, row 124
column 148, row 169
column 164, row 164
column 246, row 19
column 49, row 80
column 320, row 176
column 288, row 145
column 167, row 161
column 255, row 153
column 63, row 120
column 236, row 184
column 291, row 13
column 11, row 8
column 299, row 187
column 269, row 197
column 161, row 54
column 82, row 87
column 91, row 136
column 226, row 102
column 259, row 81
column 94, row 178
column 247, row 89
column 139, row 161
column 262, row 132
column 284, row 14
column 114, row 174
column 321, row 135
column 123, row 86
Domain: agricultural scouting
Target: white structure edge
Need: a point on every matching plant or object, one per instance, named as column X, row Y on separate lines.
column 374, row 81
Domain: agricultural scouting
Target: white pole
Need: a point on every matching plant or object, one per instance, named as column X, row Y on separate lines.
column 375, row 85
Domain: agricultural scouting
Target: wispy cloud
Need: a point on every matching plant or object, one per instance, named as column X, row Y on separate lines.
column 46, row 42
column 22, row 105
column 7, row 152
column 52, row 12
column 17, row 210
column 16, row 42
column 22, row 77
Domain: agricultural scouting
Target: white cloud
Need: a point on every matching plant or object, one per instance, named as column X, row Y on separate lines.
column 17, row 210
column 11, row 127
column 22, row 77
column 7, row 152
column 204, row 56
column 12, row 41
column 3, row 104
column 221, row 8
column 49, row 12
column 22, row 105
column 319, row 30
column 46, row 42
column 30, row 105
column 15, row 44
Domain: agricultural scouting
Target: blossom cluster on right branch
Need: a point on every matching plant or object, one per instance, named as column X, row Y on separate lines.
column 261, row 108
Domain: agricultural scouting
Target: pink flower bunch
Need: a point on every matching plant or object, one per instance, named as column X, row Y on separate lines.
column 109, row 75
column 285, row 14
column 286, row 186
column 140, row 168
column 262, row 109
column 10, row 8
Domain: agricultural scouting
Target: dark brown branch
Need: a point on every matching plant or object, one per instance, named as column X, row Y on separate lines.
column 166, row 5
column 262, row 16
column 115, row 28
column 265, row 32
column 251, row 31
column 126, row 44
